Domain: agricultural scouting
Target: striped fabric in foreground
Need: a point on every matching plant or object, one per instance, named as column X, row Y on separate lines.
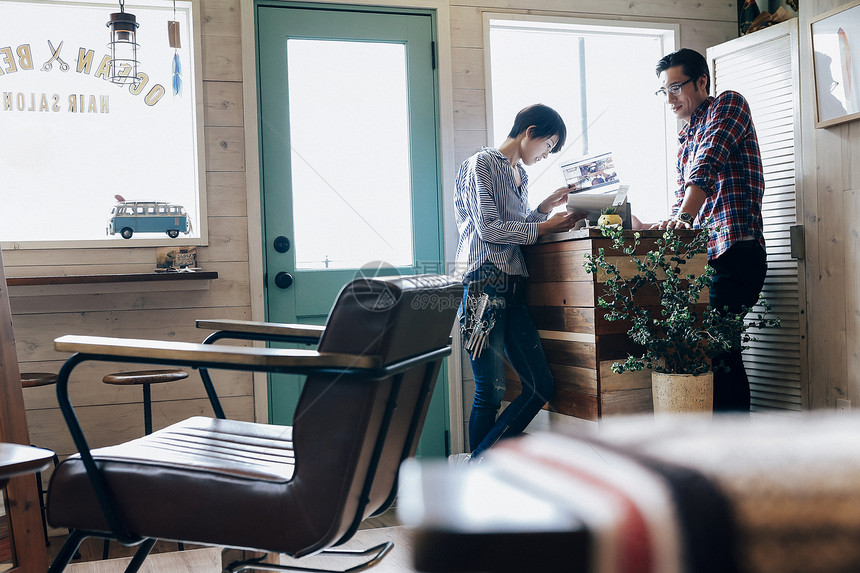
column 732, row 494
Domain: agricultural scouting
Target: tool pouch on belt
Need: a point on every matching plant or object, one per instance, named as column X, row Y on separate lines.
column 484, row 297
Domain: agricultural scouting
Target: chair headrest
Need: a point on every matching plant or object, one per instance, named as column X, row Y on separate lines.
column 392, row 317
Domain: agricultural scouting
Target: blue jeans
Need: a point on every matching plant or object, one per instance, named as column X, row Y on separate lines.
column 514, row 335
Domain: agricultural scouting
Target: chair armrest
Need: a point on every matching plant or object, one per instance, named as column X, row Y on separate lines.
column 207, row 355
column 264, row 330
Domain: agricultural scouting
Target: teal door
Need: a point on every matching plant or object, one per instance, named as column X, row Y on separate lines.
column 350, row 164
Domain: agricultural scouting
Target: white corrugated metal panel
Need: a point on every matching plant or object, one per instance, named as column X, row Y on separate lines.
column 765, row 73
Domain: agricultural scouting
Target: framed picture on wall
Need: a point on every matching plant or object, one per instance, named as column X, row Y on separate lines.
column 836, row 61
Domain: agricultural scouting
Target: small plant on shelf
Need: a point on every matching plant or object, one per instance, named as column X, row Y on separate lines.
column 678, row 334
column 609, row 216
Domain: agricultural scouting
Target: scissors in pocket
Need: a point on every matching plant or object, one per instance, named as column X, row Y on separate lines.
column 46, row 67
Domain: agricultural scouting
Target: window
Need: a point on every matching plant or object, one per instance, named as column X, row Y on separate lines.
column 600, row 77
column 74, row 144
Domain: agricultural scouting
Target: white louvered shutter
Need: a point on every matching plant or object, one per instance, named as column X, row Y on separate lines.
column 763, row 67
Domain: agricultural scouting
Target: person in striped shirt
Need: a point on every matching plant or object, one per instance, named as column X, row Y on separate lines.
column 720, row 181
column 494, row 219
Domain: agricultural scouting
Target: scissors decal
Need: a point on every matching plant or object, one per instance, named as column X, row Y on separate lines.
column 46, row 67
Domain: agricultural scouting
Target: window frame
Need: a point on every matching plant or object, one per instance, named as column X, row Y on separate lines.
column 671, row 34
column 196, row 57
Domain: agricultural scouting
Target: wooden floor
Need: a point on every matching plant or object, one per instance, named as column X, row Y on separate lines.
column 206, row 560
column 166, row 559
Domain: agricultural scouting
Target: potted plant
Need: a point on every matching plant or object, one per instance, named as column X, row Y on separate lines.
column 609, row 216
column 679, row 335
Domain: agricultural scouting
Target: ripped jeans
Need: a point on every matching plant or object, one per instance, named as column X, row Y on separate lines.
column 515, row 335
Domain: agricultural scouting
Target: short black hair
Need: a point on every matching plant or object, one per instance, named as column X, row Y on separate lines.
column 544, row 121
column 692, row 63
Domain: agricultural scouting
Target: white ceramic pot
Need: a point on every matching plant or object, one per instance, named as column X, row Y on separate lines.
column 682, row 393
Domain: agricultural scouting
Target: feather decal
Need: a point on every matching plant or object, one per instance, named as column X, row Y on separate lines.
column 177, row 74
column 845, row 57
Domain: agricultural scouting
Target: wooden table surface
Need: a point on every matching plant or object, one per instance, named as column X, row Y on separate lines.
column 16, row 459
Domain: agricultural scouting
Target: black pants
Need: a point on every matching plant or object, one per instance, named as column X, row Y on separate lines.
column 737, row 282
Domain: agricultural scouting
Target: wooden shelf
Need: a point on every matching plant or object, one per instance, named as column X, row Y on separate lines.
column 111, row 278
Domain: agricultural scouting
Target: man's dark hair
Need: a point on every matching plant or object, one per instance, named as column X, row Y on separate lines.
column 692, row 63
column 544, row 122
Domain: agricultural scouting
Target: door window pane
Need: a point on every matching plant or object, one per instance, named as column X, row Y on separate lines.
column 349, row 139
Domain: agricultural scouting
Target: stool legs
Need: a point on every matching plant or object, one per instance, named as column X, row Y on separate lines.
column 34, row 380
column 42, row 492
column 147, row 409
column 145, row 378
column 147, row 429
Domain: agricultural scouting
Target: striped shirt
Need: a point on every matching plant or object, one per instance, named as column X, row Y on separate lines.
column 493, row 215
column 718, row 151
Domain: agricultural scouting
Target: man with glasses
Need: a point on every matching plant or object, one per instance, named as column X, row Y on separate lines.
column 720, row 183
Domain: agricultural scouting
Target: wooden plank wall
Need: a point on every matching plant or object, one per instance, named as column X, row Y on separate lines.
column 702, row 24
column 113, row 413
column 831, row 182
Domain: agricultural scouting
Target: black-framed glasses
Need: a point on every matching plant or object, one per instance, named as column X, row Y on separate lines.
column 674, row 89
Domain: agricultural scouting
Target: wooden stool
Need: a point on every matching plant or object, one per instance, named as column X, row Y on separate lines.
column 34, row 380
column 144, row 378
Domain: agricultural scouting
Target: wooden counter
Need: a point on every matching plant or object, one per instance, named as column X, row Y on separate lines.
column 579, row 342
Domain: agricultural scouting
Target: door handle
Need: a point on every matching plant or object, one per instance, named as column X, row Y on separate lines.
column 281, row 244
column 283, row 280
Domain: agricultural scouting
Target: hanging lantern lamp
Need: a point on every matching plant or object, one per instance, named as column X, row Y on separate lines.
column 123, row 46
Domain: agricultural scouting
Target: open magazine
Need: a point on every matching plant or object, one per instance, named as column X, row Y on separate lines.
column 593, row 173
column 595, row 185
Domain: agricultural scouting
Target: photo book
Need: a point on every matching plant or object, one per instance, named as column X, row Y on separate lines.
column 175, row 258
column 595, row 186
column 592, row 173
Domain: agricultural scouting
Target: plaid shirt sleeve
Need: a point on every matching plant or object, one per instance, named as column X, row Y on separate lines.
column 728, row 121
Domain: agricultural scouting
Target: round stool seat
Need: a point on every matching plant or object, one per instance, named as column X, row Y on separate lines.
column 35, row 379
column 145, row 377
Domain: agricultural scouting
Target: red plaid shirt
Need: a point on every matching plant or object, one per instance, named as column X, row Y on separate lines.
column 718, row 151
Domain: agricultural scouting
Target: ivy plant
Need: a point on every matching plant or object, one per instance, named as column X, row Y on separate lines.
column 675, row 338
